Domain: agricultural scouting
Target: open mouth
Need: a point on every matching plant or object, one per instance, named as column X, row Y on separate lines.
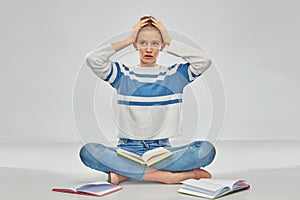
column 148, row 56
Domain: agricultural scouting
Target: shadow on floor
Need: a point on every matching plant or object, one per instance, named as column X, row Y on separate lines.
column 271, row 184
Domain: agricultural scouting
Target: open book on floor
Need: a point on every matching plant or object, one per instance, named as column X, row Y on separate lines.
column 212, row 188
column 100, row 188
column 148, row 158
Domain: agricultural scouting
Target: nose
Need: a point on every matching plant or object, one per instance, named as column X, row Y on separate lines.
column 148, row 48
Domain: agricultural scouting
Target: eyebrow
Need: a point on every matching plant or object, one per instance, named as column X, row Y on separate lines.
column 143, row 40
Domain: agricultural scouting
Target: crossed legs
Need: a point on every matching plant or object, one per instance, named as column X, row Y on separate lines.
column 185, row 163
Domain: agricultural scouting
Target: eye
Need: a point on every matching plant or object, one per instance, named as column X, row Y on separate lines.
column 143, row 43
column 155, row 44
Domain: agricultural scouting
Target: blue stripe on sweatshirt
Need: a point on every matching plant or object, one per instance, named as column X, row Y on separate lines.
column 110, row 74
column 154, row 103
column 171, row 84
column 118, row 76
column 135, row 88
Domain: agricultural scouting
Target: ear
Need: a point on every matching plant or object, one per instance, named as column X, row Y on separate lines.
column 163, row 46
column 134, row 45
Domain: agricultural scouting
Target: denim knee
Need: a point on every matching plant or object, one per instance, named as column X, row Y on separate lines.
column 205, row 149
column 86, row 152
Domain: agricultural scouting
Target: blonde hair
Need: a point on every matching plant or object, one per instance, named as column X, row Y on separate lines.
column 149, row 26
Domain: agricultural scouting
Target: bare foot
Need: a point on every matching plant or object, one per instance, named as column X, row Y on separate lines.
column 174, row 177
column 116, row 178
column 201, row 173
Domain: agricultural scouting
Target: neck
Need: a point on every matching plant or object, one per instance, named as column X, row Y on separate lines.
column 147, row 64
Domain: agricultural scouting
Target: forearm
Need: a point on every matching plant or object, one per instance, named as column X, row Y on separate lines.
column 122, row 44
column 98, row 60
column 198, row 59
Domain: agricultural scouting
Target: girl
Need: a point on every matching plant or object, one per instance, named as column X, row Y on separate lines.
column 149, row 107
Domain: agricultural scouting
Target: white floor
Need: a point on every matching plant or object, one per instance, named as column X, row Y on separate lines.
column 29, row 171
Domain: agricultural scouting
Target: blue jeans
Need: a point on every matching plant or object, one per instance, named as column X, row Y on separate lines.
column 102, row 158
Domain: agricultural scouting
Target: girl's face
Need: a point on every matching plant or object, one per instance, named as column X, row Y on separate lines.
column 149, row 43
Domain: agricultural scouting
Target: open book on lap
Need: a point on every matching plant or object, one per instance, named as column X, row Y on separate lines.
column 212, row 188
column 149, row 157
column 100, row 188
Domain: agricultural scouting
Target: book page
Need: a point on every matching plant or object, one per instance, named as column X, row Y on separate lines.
column 203, row 188
column 204, row 184
column 208, row 195
column 211, row 188
column 158, row 158
column 92, row 183
column 226, row 182
column 98, row 189
column 154, row 152
column 129, row 154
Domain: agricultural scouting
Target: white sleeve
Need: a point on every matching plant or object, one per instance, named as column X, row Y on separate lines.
column 98, row 60
column 198, row 60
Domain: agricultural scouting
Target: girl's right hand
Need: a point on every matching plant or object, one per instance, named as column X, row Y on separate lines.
column 136, row 28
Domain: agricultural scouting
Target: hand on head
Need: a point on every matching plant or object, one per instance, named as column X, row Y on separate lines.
column 137, row 27
column 163, row 30
column 150, row 21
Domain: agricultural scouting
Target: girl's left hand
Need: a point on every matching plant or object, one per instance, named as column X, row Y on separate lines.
column 164, row 32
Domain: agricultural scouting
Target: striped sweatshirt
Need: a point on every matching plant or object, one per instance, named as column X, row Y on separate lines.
column 149, row 98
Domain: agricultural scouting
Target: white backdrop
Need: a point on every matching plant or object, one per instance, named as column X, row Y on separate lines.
column 254, row 44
